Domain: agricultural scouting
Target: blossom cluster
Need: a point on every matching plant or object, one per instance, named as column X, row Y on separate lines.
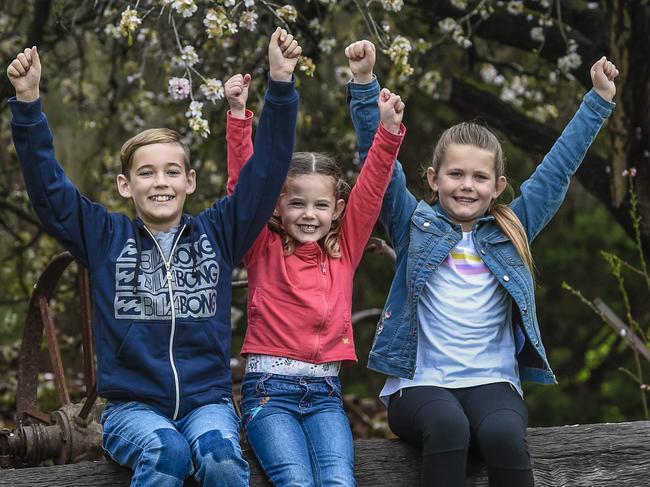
column 217, row 24
column 571, row 60
column 196, row 121
column 392, row 5
column 450, row 26
column 398, row 52
column 221, row 20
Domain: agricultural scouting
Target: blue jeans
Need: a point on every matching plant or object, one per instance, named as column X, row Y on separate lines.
column 298, row 429
column 162, row 452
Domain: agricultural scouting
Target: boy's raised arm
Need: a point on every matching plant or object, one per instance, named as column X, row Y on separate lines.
column 64, row 211
column 262, row 178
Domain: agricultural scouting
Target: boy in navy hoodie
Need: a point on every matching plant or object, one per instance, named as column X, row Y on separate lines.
column 162, row 282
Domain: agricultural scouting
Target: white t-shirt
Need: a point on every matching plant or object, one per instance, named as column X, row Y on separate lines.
column 464, row 333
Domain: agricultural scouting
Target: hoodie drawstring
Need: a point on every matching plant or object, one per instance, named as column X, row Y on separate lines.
column 138, row 250
column 192, row 249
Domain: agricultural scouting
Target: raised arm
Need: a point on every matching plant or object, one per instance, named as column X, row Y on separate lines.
column 73, row 219
column 240, row 217
column 365, row 200
column 239, row 128
column 363, row 95
column 543, row 193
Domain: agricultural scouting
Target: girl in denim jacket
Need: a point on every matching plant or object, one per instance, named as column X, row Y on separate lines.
column 300, row 273
column 459, row 331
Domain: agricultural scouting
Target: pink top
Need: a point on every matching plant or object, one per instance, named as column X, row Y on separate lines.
column 299, row 306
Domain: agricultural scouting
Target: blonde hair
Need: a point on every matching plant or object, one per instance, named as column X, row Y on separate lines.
column 148, row 137
column 305, row 163
column 470, row 133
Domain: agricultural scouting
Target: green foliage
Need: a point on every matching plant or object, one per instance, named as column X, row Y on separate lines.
column 100, row 88
column 631, row 282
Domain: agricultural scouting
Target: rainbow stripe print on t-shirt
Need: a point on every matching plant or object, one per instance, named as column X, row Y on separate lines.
column 466, row 262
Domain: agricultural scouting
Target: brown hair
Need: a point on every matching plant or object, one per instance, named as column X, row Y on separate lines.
column 148, row 137
column 305, row 163
column 471, row 133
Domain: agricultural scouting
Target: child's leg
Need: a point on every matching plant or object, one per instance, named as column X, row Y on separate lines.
column 498, row 418
column 141, row 438
column 212, row 432
column 271, row 409
column 432, row 418
column 328, row 433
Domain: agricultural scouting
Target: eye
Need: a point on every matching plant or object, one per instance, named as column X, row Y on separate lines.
column 481, row 177
column 145, row 173
column 455, row 174
column 174, row 172
column 296, row 204
column 323, row 206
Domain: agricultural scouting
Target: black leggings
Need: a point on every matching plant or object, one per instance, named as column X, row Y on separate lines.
column 443, row 422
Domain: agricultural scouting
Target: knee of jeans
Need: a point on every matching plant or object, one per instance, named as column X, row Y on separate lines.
column 220, row 457
column 169, row 453
column 502, row 434
column 446, row 431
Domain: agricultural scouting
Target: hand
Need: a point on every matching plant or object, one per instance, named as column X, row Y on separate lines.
column 361, row 57
column 391, row 109
column 24, row 73
column 236, row 89
column 284, row 52
column 603, row 74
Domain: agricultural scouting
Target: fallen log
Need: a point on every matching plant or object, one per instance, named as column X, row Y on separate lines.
column 595, row 455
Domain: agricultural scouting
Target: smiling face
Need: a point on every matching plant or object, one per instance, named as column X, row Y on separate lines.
column 158, row 183
column 466, row 183
column 308, row 206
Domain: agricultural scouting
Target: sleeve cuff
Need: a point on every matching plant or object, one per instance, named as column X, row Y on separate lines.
column 364, row 91
column 390, row 135
column 240, row 122
column 597, row 103
column 25, row 113
column 282, row 91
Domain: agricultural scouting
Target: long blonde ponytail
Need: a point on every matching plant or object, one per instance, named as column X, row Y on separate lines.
column 510, row 224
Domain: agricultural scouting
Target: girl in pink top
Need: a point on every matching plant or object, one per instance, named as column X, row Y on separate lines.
column 300, row 273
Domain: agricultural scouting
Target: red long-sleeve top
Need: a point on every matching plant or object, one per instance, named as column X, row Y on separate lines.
column 300, row 306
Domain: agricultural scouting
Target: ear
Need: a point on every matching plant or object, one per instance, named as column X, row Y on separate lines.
column 499, row 187
column 123, row 186
column 338, row 209
column 432, row 178
column 191, row 181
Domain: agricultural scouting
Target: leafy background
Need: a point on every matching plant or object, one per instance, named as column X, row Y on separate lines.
column 520, row 66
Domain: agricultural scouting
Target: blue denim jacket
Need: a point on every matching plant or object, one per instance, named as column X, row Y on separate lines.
column 423, row 236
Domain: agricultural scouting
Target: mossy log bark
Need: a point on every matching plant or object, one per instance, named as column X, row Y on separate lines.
column 596, row 455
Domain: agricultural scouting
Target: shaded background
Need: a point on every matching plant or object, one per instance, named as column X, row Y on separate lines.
column 521, row 67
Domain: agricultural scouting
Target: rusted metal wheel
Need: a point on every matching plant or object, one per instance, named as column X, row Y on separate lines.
column 71, row 432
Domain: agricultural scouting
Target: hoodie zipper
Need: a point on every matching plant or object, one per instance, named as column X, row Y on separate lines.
column 168, row 267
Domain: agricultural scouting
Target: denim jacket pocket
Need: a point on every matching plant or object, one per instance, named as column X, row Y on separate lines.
column 505, row 251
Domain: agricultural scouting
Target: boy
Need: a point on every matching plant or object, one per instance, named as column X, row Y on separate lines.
column 162, row 282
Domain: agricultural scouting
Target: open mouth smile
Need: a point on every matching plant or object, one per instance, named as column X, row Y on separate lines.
column 308, row 228
column 464, row 200
column 161, row 198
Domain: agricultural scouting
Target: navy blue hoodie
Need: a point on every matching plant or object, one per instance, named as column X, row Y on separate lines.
column 176, row 358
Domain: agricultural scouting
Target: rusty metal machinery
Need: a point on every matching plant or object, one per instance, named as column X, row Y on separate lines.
column 72, row 432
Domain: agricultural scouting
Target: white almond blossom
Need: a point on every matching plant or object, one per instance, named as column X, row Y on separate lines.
column 392, row 5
